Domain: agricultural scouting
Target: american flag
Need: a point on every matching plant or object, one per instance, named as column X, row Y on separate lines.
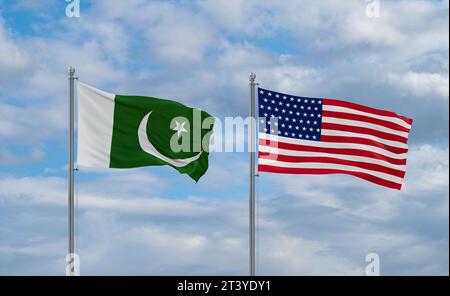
column 300, row 135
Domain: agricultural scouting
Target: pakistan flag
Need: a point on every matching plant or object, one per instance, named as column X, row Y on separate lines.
column 116, row 131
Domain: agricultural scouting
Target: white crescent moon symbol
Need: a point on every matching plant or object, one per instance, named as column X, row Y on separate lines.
column 150, row 149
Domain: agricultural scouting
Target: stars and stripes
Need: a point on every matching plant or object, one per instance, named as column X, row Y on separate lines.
column 300, row 135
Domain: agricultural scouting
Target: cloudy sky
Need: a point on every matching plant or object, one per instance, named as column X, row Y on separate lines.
column 154, row 221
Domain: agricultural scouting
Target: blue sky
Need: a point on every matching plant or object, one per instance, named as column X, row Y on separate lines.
column 156, row 221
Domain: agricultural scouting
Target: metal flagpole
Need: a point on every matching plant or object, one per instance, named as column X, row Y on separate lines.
column 71, row 212
column 252, row 84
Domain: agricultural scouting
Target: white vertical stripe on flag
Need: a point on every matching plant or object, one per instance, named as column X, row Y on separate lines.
column 95, row 126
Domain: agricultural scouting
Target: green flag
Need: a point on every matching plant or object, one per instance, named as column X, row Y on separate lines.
column 116, row 131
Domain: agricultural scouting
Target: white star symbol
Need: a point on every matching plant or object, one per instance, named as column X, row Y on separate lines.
column 179, row 128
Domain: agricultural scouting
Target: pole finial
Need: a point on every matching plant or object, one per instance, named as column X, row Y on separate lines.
column 71, row 71
column 252, row 77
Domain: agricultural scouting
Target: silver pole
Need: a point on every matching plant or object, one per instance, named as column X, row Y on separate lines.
column 71, row 171
column 252, row 84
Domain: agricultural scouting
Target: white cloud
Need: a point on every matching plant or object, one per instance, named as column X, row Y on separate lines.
column 179, row 38
column 237, row 16
column 12, row 58
column 40, row 97
column 345, row 24
column 9, row 158
column 35, row 6
column 421, row 84
column 20, row 123
column 49, row 78
column 429, row 170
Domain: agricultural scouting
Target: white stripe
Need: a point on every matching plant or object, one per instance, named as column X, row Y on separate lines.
column 364, row 124
column 319, row 165
column 370, row 148
column 277, row 151
column 327, row 132
column 354, row 111
column 95, row 126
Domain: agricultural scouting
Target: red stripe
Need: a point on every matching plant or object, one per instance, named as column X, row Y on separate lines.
column 365, row 176
column 343, row 115
column 346, row 151
column 359, row 107
column 363, row 130
column 359, row 164
column 364, row 141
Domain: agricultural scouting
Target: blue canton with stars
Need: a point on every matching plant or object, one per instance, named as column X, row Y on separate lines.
column 298, row 117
